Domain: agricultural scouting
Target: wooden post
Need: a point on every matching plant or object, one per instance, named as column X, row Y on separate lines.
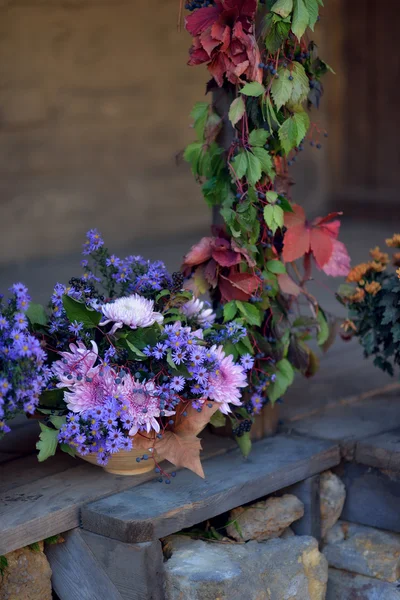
column 308, row 492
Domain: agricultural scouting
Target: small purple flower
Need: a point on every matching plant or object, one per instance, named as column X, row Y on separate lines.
column 247, row 361
column 178, row 356
column 177, row 383
column 3, row 323
column 75, row 327
column 93, row 242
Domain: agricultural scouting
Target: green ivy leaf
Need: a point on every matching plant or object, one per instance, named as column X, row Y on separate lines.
column 274, row 216
column 282, row 88
column 300, row 19
column 236, row 110
column 272, row 119
column 276, row 35
column 253, row 88
column 323, row 332
column 253, row 168
column 218, row 419
column 272, row 197
column 230, row 310
column 312, row 8
column 285, row 205
column 36, row 314
column 239, row 164
column 284, row 379
column 258, row 137
column 250, row 312
column 244, row 443
column 265, row 160
column 134, row 351
column 302, row 121
column 283, row 8
column 276, row 266
column 300, row 84
column 47, row 444
column 199, row 114
column 68, row 450
column 288, row 134
column 77, row 311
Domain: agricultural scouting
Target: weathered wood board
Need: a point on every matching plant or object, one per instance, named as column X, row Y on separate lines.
column 144, row 513
column 381, row 451
column 40, row 500
column 308, row 492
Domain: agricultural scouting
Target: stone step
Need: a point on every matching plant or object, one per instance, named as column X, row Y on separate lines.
column 364, row 550
column 273, row 570
column 148, row 512
column 350, row 586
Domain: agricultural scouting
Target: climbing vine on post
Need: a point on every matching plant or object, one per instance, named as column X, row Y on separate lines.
column 257, row 267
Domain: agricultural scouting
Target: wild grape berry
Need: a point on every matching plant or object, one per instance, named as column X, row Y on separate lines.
column 177, row 281
column 290, row 77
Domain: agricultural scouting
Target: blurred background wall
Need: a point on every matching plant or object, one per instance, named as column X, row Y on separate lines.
column 95, row 98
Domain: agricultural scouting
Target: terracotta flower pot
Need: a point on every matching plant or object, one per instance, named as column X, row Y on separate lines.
column 124, row 462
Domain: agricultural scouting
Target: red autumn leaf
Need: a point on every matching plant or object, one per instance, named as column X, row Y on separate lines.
column 211, row 273
column 226, row 258
column 200, row 20
column 288, row 286
column 235, row 246
column 302, row 237
column 199, row 253
column 238, row 286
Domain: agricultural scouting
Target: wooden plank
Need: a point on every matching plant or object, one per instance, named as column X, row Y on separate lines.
column 50, row 504
column 372, row 496
column 77, row 575
column 21, row 471
column 308, row 492
column 136, row 570
column 144, row 513
column 349, row 423
column 381, row 451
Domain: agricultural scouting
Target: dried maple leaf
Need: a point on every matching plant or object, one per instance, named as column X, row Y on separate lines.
column 181, row 451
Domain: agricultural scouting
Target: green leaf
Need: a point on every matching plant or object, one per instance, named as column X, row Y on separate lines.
column 323, row 332
column 302, row 121
column 3, row 564
column 36, row 314
column 47, row 443
column 244, row 443
column 58, row 421
column 218, row 419
column 52, row 398
column 250, row 312
column 285, row 205
column 258, row 137
column 34, row 547
column 135, row 351
column 239, row 164
column 273, row 216
column 199, row 114
column 284, row 378
column 253, row 88
column 288, row 134
column 272, row 119
column 312, row 8
column 253, row 168
column 276, row 266
column 283, row 8
column 247, row 344
column 77, row 311
column 300, row 84
column 281, row 88
column 68, row 450
column 230, row 310
column 236, row 110
column 192, row 155
column 276, row 35
column 272, row 197
column 300, row 19
column 265, row 160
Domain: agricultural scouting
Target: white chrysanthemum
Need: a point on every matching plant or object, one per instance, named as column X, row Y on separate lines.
column 194, row 309
column 133, row 311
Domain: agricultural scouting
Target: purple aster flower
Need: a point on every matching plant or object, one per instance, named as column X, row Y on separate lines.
column 113, row 261
column 93, row 242
column 247, row 361
column 178, row 356
column 197, row 355
column 177, row 383
column 3, row 323
column 75, row 327
column 159, row 350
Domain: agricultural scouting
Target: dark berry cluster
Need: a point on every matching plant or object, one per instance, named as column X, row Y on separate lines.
column 193, row 4
column 177, row 281
column 242, row 428
column 88, row 290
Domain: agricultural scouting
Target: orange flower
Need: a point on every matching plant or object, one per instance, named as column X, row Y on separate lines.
column 394, row 242
column 348, row 325
column 396, row 259
column 378, row 256
column 373, row 288
column 358, row 272
column 358, row 295
column 378, row 267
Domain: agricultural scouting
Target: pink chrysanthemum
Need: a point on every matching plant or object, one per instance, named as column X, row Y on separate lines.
column 133, row 311
column 78, row 363
column 143, row 405
column 226, row 381
column 93, row 391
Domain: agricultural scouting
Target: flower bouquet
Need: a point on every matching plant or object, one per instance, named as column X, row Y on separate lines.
column 372, row 296
column 127, row 369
